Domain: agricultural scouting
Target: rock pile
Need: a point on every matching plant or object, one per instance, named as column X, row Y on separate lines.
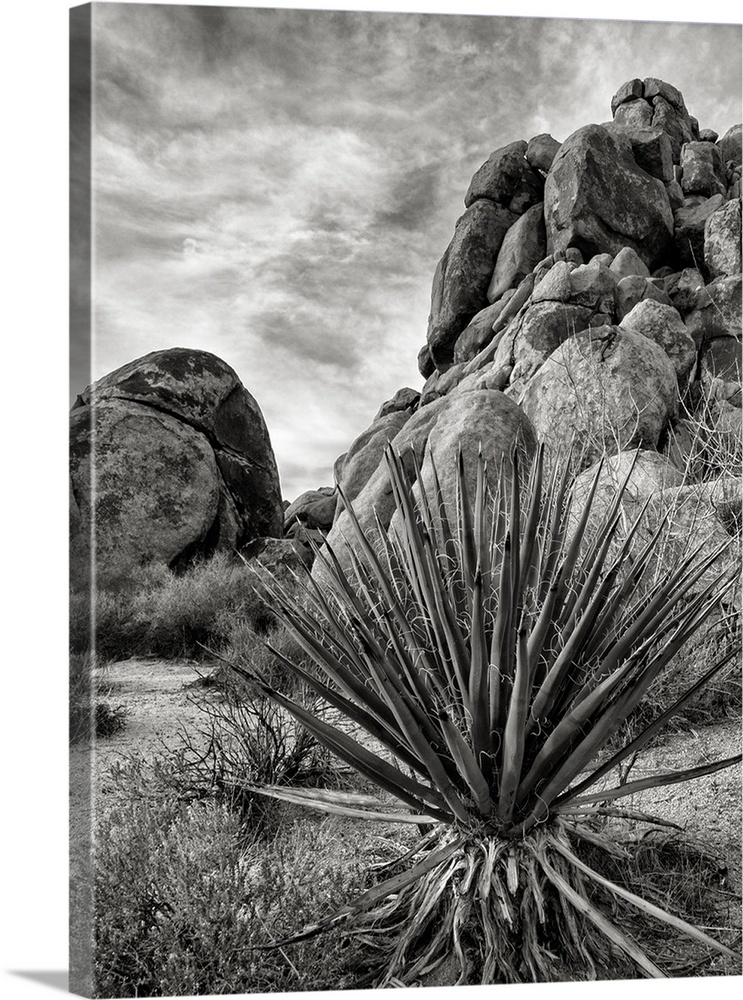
column 591, row 288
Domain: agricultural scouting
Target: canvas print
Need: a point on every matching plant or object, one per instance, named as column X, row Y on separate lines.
column 405, row 501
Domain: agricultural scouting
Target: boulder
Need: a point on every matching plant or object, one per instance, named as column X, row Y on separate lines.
column 365, row 453
column 683, row 289
column 524, row 245
column 426, row 365
column 730, row 145
column 651, row 149
column 375, row 502
column 183, row 461
column 542, row 329
column 663, row 325
column 473, row 422
column 694, row 515
column 650, row 474
column 675, row 121
column 492, row 376
column 634, row 114
column 703, row 169
column 541, row 151
column 554, row 285
column 689, row 225
column 721, row 358
column 611, row 388
column 479, row 331
column 450, row 378
column 630, row 91
column 404, row 399
column 157, row 486
column 722, row 240
column 280, row 558
column 507, row 179
column 593, row 285
column 578, row 213
column 675, row 194
column 463, row 274
column 633, row 289
column 312, row 509
column 430, row 389
column 654, row 103
column 718, row 311
column 628, row 262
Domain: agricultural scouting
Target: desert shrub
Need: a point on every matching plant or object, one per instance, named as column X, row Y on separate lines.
column 244, row 645
column 704, row 446
column 90, row 710
column 152, row 611
column 494, row 650
column 183, row 894
column 246, row 739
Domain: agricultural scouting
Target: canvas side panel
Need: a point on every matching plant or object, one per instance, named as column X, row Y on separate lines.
column 81, row 701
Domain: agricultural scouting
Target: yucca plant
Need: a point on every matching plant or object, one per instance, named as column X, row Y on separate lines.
column 478, row 661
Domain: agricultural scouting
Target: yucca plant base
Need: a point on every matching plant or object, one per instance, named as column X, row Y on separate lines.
column 478, row 665
column 471, row 908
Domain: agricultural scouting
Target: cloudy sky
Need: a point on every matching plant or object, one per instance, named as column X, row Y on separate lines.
column 276, row 186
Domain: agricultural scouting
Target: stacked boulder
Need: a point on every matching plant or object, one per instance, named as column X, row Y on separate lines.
column 594, row 287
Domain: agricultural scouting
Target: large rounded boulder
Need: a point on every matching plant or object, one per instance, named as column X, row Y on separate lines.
column 607, row 388
column 170, row 459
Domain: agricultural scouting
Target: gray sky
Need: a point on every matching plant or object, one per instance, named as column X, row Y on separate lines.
column 276, row 186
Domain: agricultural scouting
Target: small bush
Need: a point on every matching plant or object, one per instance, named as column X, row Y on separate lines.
column 151, row 611
column 88, row 712
column 109, row 719
column 183, row 895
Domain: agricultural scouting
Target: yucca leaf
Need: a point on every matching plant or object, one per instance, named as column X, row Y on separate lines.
column 647, row 734
column 468, row 767
column 478, row 679
column 340, row 804
column 352, row 709
column 515, row 731
column 530, row 553
column 609, row 930
column 561, row 739
column 588, row 812
column 598, row 735
column 371, row 765
column 434, row 764
column 372, row 896
column 641, row 904
column 654, row 781
column 466, row 527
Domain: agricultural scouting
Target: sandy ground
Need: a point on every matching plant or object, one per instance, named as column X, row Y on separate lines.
column 160, row 700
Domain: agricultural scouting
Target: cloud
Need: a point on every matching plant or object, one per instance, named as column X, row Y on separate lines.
column 277, row 186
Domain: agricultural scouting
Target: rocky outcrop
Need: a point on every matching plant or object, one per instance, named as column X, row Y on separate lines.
column 722, row 240
column 362, row 458
column 591, row 163
column 170, row 459
column 462, row 278
column 508, row 179
column 608, row 388
column 652, row 103
column 484, row 419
